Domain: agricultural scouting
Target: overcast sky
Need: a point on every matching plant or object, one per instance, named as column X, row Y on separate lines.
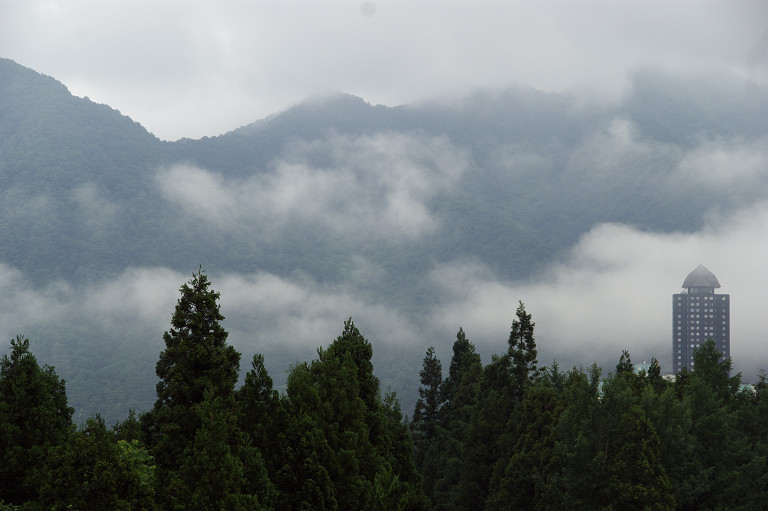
column 197, row 68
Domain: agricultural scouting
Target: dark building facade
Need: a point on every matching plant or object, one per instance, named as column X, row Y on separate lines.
column 699, row 314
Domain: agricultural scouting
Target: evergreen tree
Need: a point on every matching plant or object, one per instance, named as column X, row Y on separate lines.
column 427, row 410
column 196, row 359
column 481, row 447
column 397, row 443
column 129, row 429
column 554, row 378
column 492, row 436
column 462, row 386
column 213, row 475
column 658, row 383
column 93, row 470
column 625, row 364
column 636, row 477
column 523, row 353
column 727, row 462
column 262, row 417
column 341, row 433
column 303, row 481
column 578, row 481
column 522, row 483
column 34, row 417
column 464, row 356
column 671, row 418
column 710, row 367
column 352, row 461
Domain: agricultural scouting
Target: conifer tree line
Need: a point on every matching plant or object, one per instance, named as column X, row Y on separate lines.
column 506, row 435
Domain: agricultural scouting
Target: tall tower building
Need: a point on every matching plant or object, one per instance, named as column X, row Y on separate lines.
column 699, row 314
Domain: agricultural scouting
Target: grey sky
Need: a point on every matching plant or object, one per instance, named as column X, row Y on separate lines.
column 198, row 68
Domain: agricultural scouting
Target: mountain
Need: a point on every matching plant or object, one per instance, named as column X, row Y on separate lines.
column 355, row 199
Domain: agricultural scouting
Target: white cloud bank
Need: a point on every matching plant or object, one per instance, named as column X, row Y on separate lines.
column 614, row 291
column 730, row 163
column 376, row 186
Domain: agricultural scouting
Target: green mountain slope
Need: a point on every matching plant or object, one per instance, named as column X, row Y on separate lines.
column 342, row 193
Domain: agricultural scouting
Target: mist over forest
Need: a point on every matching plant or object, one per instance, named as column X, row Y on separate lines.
column 413, row 220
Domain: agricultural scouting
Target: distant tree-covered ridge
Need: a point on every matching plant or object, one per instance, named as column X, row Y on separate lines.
column 503, row 435
column 342, row 195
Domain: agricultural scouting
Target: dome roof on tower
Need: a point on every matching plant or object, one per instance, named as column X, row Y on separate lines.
column 701, row 277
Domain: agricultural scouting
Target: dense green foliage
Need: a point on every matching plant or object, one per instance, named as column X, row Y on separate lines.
column 34, row 417
column 510, row 436
column 507, row 435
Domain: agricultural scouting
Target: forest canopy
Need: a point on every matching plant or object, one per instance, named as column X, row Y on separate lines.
column 505, row 434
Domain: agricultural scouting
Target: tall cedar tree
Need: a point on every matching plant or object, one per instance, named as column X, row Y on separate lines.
column 350, row 394
column 523, row 372
column 426, row 417
column 480, row 451
column 520, row 482
column 303, row 480
column 460, row 391
column 427, row 410
column 522, row 351
column 196, row 358
column 464, row 356
column 262, row 416
column 341, row 433
column 34, row 417
column 489, row 442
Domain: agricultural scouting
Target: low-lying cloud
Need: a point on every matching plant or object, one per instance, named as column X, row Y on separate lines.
column 378, row 186
column 729, row 163
column 96, row 212
column 611, row 292
column 614, row 291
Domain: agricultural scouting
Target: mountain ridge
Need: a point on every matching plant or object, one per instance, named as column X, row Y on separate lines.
column 359, row 200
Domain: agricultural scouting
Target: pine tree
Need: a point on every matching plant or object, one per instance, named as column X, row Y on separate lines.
column 34, row 417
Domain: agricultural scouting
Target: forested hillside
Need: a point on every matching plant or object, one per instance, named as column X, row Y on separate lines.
column 333, row 208
column 503, row 434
